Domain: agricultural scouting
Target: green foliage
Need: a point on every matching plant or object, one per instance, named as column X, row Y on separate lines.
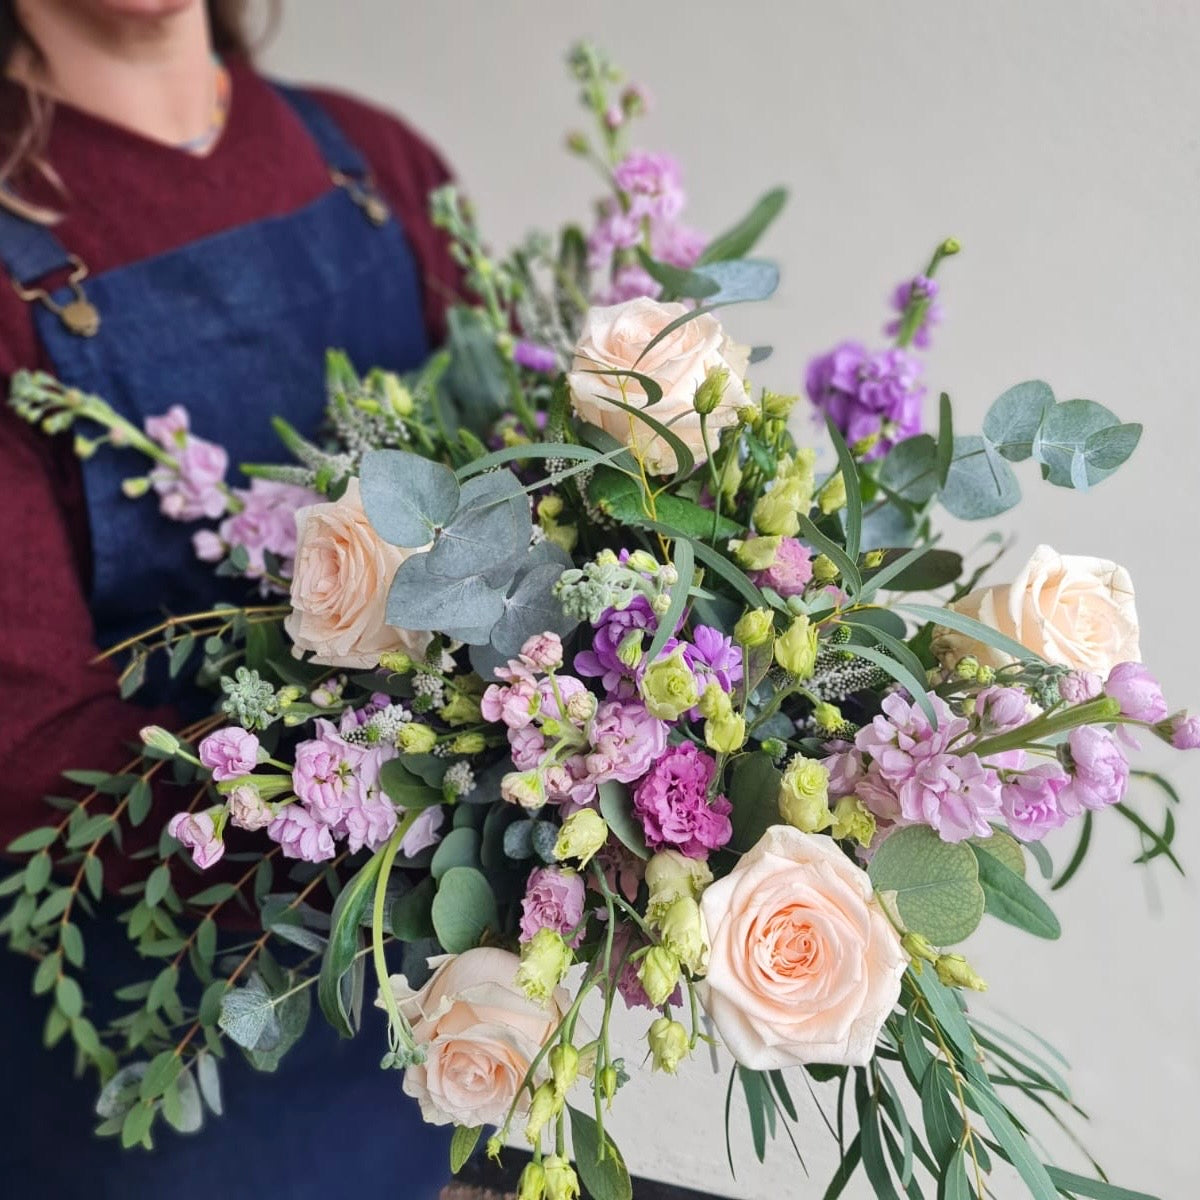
column 462, row 1145
column 739, row 240
column 341, row 954
column 616, row 807
column 754, row 794
column 602, row 1170
column 1009, row 898
column 463, row 909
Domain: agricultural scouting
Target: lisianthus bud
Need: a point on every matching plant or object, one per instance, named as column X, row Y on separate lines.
column 833, row 495
column 918, row 948
column 581, row 835
column 564, row 1067
column 776, row 511
column 396, row 394
column 725, row 734
column 396, row 661
column 853, row 821
column 561, row 1181
column 668, row 688
column 545, row 1105
column 160, row 739
column 415, row 738
column 493, row 1147
column 796, row 650
column 954, row 971
column 824, row 569
column 670, row 875
column 136, row 487
column 659, row 974
column 532, row 1185
column 710, row 392
column 460, row 709
column 669, row 1045
column 804, row 795
column 609, row 1082
column 754, row 627
column 682, row 931
column 777, row 406
column 714, row 701
column 630, row 649
column 755, row 554
column 873, row 559
column 523, row 788
column 828, row 717
column 469, row 743
column 545, row 960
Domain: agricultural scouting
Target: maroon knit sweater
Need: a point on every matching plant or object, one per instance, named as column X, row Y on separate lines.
column 128, row 198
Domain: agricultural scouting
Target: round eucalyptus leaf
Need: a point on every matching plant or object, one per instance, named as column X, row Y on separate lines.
column 981, row 484
column 463, row 908
column 406, row 497
column 1013, row 420
column 420, row 600
column 492, row 525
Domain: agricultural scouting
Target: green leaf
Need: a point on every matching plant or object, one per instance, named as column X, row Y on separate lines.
column 37, row 873
column 969, row 626
column 919, row 569
column 911, row 469
column 209, row 1079
column 754, row 794
column 459, row 848
column 980, row 483
column 945, row 439
column 1014, row 1144
column 344, row 938
column 740, row 239
column 1080, row 853
column 936, row 883
column 1097, row 1189
column 849, row 472
column 741, row 280
column 139, row 802
column 676, row 282
column 754, row 1089
column 218, row 893
column 827, row 546
column 685, row 460
column 163, row 1070
column 616, row 807
column 68, row 996
column 407, row 498
column 491, row 525
column 419, row 599
column 531, row 451
column 462, row 1146
column 71, row 940
column 940, row 1112
column 1015, row 416
column 601, row 1168
column 248, row 1016
column 1010, row 899
column 158, row 884
column 412, row 914
column 35, row 839
column 899, row 671
column 1062, row 440
column 1006, row 848
column 406, row 790
column 685, row 565
column 463, row 908
column 136, row 1126
column 93, row 873
column 530, row 608
column 954, row 1183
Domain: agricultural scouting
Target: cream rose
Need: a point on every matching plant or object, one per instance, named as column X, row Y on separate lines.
column 340, row 586
column 804, row 966
column 480, row 1033
column 614, row 338
column 1073, row 610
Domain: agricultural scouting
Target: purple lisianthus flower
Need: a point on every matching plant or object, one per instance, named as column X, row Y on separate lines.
column 1078, row 687
column 1137, row 692
column 866, row 394
column 1099, row 770
column 229, row 753
column 197, row 833
column 956, row 795
column 920, row 288
column 533, row 356
column 712, row 655
column 553, row 900
column 791, row 571
column 1029, row 801
column 673, row 806
column 625, row 739
column 300, row 835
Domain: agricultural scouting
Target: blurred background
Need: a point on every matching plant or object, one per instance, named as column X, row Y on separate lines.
column 1060, row 143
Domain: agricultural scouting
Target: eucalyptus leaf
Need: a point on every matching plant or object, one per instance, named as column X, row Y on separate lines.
column 910, row 469
column 616, row 807
column 421, row 600
column 1062, row 441
column 463, row 908
column 1010, row 899
column 1015, row 416
column 491, row 526
column 531, row 608
column 980, row 484
column 740, row 239
column 344, row 940
column 407, row 498
column 248, row 1016
column 741, row 280
column 754, row 794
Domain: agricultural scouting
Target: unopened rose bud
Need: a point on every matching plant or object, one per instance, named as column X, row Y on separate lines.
column 669, row 1045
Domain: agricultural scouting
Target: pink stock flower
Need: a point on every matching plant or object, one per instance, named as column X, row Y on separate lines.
column 1078, row 687
column 673, row 806
column 169, row 429
column 543, row 652
column 900, row 737
column 265, row 525
column 626, row 740
column 369, row 823
column 197, row 832
column 192, row 489
column 1029, row 801
column 1099, row 770
column 553, row 900
column 248, row 810
column 229, row 753
column 1137, row 691
column 652, row 183
column 424, row 832
column 1185, row 732
column 514, row 704
column 300, row 835
column 791, row 571
column 1000, row 709
column 956, row 795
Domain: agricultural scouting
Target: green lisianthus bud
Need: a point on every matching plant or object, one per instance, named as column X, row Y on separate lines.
column 669, row 1045
column 824, row 569
column 954, row 971
column 414, row 738
column 670, row 875
column 629, row 651
column 755, row 554
column 804, row 795
column 682, row 931
column 564, row 1067
column 396, row 394
column 918, row 948
column 160, row 739
column 754, row 627
column 643, row 561
column 396, row 661
column 561, row 1181
column 460, row 710
column 493, row 1148
column 545, row 1105
column 135, row 488
column 668, row 688
column 545, row 960
column 731, row 477
column 469, row 743
column 582, row 834
column 828, row 717
column 714, row 701
column 725, row 734
column 776, row 512
column 659, row 974
column 778, row 406
column 853, row 821
column 796, row 650
column 577, row 143
column 532, row 1185
column 833, row 495
column 775, row 747
column 710, row 392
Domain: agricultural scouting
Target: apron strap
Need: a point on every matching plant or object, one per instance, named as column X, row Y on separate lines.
column 28, row 249
column 347, row 167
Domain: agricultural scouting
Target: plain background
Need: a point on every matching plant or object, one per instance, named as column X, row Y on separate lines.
column 1060, row 142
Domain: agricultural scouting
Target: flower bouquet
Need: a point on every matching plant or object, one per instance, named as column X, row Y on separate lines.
column 575, row 677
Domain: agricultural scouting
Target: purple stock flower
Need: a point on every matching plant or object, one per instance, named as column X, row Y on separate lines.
column 1099, row 770
column 602, row 660
column 1137, row 692
column 1029, row 801
column 1185, row 732
column 653, row 185
column 865, row 393
column 678, row 245
column 956, row 795
column 300, row 835
column 197, row 833
column 922, row 287
column 229, row 753
column 1000, row 709
column 626, row 740
column 535, row 357
column 712, row 655
column 1078, row 687
column 673, row 806
column 553, row 900
column 791, row 571
column 628, row 283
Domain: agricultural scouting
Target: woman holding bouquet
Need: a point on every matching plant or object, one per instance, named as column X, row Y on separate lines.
column 178, row 230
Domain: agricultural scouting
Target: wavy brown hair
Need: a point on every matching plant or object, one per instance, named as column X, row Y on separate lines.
column 22, row 146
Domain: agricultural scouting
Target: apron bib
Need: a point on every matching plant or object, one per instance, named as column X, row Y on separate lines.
column 235, row 328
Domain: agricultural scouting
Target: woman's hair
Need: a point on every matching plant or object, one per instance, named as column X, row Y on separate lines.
column 21, row 146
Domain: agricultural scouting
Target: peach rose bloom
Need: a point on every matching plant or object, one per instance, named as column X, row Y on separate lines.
column 340, row 587
column 614, row 337
column 480, row 1033
column 1073, row 610
column 804, row 966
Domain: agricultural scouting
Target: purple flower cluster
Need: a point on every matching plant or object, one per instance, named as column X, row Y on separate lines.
column 920, row 288
column 194, row 486
column 868, row 393
column 674, row 807
column 553, row 900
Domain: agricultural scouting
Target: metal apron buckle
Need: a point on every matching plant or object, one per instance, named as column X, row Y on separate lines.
column 361, row 192
column 79, row 315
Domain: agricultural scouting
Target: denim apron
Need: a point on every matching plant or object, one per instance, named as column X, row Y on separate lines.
column 235, row 328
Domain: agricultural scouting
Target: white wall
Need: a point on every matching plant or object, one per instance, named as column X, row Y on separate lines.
column 1061, row 143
